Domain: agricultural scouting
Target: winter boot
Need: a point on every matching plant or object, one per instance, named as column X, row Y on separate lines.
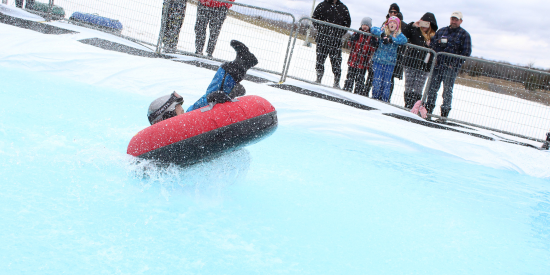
column 336, row 82
column 445, row 112
column 430, row 109
column 546, row 144
column 244, row 61
column 359, row 89
column 348, row 85
column 444, row 115
column 319, row 77
column 409, row 100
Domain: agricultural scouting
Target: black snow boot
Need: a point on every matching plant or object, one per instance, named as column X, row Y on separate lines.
column 444, row 115
column 244, row 61
column 336, row 82
column 348, row 85
column 319, row 77
column 430, row 109
column 445, row 112
column 546, row 144
column 409, row 100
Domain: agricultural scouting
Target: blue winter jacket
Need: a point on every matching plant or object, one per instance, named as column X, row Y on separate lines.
column 215, row 85
column 387, row 53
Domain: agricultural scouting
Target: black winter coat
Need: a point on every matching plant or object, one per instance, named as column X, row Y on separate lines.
column 413, row 57
column 331, row 13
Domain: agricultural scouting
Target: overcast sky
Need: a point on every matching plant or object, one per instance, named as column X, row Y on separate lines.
column 509, row 30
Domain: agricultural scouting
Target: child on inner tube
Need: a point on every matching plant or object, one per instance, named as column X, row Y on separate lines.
column 224, row 87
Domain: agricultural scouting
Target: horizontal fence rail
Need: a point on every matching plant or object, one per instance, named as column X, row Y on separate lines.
column 490, row 95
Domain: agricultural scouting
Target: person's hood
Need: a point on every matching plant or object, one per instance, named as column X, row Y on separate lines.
column 430, row 17
column 394, row 6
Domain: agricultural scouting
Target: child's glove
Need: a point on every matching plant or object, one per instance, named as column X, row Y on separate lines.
column 387, row 40
column 374, row 41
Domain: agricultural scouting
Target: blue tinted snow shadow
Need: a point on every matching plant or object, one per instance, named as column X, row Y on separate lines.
column 298, row 202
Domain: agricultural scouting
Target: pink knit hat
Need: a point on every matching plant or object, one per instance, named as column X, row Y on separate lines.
column 396, row 20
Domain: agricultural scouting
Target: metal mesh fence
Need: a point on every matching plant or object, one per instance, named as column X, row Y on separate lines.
column 497, row 96
column 303, row 58
column 502, row 97
column 359, row 62
column 186, row 26
column 266, row 32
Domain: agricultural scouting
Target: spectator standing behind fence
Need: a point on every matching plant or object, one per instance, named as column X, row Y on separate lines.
column 28, row 5
column 209, row 13
column 418, row 62
column 174, row 13
column 329, row 39
column 385, row 57
column 398, row 70
column 452, row 39
column 362, row 48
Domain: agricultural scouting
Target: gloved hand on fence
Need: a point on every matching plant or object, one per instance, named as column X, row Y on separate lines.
column 387, row 40
column 373, row 41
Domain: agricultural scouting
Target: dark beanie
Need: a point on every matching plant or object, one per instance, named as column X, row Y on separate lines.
column 430, row 17
column 394, row 6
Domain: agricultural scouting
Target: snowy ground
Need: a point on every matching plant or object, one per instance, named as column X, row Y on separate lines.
column 63, row 55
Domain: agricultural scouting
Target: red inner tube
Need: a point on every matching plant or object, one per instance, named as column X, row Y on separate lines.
column 236, row 120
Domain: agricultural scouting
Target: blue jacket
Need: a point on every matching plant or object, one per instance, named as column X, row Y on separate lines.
column 215, row 85
column 387, row 53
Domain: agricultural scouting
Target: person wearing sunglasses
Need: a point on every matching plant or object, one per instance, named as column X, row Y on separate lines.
column 393, row 11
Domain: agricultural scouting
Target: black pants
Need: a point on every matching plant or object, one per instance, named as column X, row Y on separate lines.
column 355, row 76
column 208, row 16
column 368, row 84
column 335, row 54
column 174, row 21
column 28, row 5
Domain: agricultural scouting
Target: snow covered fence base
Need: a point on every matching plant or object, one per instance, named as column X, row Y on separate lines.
column 491, row 95
column 495, row 96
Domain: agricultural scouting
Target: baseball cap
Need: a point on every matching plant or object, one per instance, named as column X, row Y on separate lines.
column 457, row 14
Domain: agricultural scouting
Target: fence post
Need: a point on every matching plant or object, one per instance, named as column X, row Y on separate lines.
column 287, row 54
column 429, row 82
column 285, row 72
